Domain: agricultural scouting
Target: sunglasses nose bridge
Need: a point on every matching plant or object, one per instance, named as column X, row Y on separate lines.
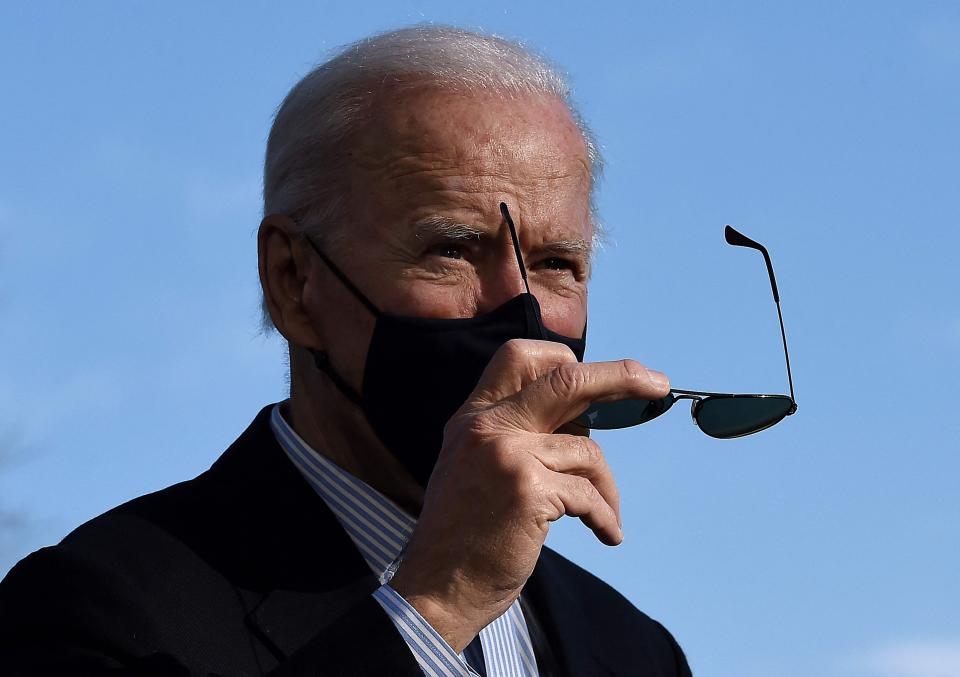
column 694, row 402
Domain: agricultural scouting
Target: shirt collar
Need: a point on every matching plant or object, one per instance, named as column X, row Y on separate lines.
column 377, row 526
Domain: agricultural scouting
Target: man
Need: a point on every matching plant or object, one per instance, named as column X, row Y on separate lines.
column 425, row 252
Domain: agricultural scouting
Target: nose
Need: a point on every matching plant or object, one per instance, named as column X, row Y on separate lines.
column 500, row 281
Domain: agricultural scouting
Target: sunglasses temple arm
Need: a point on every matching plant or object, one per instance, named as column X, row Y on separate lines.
column 783, row 332
column 523, row 268
column 786, row 353
column 738, row 239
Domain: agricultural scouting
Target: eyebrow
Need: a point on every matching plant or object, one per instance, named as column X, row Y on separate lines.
column 444, row 226
column 571, row 247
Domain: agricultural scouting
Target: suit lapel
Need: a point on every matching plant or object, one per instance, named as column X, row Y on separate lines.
column 285, row 620
column 299, row 570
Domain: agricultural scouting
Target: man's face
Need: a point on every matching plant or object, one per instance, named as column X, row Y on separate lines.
column 426, row 237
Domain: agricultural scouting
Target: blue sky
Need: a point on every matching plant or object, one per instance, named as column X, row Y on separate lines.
column 132, row 136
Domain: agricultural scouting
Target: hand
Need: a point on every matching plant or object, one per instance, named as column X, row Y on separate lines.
column 504, row 474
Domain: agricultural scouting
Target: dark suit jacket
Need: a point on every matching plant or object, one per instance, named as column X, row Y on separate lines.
column 244, row 571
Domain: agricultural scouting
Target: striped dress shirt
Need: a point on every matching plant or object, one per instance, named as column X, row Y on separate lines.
column 380, row 530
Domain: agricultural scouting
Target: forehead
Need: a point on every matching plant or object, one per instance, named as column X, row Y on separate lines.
column 454, row 121
column 432, row 149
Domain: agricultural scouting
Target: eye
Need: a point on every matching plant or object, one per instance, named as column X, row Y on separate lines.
column 562, row 269
column 447, row 251
column 557, row 263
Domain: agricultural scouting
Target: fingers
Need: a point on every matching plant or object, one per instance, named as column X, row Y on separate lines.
column 578, row 497
column 533, row 389
column 581, row 456
column 517, row 363
column 547, row 387
column 563, row 392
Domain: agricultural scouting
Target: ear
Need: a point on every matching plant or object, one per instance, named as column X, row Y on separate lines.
column 284, row 273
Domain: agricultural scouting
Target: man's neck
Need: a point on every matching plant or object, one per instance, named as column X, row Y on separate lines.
column 339, row 431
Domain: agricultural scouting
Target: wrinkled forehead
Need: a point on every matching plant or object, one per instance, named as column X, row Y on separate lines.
column 473, row 150
column 479, row 125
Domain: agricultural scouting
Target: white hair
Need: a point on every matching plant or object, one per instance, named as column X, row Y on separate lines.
column 319, row 116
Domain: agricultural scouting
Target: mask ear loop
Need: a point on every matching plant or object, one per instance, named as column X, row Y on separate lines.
column 361, row 297
column 320, row 357
column 322, row 362
column 523, row 269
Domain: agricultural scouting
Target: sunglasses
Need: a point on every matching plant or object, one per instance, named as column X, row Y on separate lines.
column 720, row 415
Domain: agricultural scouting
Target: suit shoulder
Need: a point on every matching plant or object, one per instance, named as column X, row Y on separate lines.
column 125, row 553
column 131, row 528
column 140, row 553
column 56, row 594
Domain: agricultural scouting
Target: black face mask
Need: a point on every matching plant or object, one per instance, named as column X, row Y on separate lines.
column 419, row 371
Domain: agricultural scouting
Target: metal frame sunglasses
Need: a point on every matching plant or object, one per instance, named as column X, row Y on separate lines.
column 720, row 415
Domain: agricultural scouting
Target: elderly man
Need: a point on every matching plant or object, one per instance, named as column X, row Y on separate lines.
column 425, row 252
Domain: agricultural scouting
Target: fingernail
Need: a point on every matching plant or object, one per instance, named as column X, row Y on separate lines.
column 658, row 378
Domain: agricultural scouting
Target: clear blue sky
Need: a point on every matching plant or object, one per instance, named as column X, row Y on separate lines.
column 131, row 137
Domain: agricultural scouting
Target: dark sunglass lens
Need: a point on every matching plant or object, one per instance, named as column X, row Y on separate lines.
column 622, row 413
column 726, row 417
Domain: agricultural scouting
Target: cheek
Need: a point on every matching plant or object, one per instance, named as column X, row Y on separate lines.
column 426, row 299
column 566, row 316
